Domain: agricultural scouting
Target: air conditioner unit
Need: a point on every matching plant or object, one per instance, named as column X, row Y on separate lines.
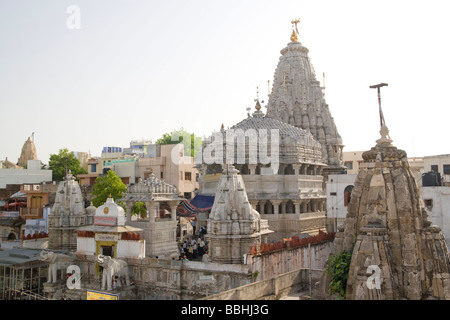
column 36, row 187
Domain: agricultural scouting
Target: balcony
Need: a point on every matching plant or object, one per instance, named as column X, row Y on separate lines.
column 32, row 213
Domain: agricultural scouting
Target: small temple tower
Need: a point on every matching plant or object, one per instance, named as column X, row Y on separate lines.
column 160, row 224
column 298, row 99
column 396, row 252
column 67, row 215
column 28, row 152
column 233, row 225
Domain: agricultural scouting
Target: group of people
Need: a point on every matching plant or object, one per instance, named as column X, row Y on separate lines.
column 195, row 248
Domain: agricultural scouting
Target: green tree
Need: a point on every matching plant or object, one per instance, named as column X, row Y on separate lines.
column 192, row 144
column 139, row 209
column 109, row 185
column 63, row 161
column 338, row 266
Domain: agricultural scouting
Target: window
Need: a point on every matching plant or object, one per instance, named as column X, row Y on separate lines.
column 162, row 175
column 434, row 168
column 347, row 194
column 187, row 176
column 349, row 164
column 196, row 177
column 428, row 203
column 446, row 168
column 93, row 168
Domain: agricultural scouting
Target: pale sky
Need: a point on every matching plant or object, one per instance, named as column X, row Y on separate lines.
column 137, row 69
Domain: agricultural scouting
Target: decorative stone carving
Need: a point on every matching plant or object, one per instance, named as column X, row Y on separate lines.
column 297, row 99
column 388, row 227
column 233, row 225
column 56, row 261
column 111, row 269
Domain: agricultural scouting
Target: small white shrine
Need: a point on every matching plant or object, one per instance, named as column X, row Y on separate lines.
column 109, row 236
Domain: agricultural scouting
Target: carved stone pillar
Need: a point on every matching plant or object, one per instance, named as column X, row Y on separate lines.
column 305, row 168
column 173, row 207
column 304, row 206
column 297, row 169
column 276, row 206
column 262, row 208
column 283, row 207
column 128, row 206
column 252, row 167
column 297, row 204
column 152, row 208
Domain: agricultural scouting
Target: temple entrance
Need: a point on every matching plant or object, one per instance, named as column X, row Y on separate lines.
column 106, row 248
column 107, row 251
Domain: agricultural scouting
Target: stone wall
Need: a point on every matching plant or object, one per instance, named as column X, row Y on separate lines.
column 163, row 279
column 270, row 264
column 271, row 289
column 160, row 279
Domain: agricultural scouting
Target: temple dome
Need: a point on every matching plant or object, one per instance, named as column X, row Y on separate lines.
column 295, row 144
column 110, row 210
column 285, row 130
column 91, row 209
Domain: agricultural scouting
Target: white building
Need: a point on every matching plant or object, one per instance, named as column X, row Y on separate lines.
column 338, row 190
column 440, row 164
column 437, row 202
column 33, row 174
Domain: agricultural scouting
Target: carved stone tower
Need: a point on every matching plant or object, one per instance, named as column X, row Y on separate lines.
column 68, row 214
column 397, row 254
column 233, row 225
column 298, row 99
column 28, row 153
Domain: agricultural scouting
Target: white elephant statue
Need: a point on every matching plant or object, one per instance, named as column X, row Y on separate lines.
column 111, row 268
column 56, row 261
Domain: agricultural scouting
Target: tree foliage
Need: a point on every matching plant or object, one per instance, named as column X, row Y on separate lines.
column 192, row 144
column 109, row 185
column 338, row 266
column 139, row 209
column 58, row 163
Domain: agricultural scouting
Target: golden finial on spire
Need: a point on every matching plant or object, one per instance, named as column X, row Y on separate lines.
column 258, row 106
column 294, row 36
